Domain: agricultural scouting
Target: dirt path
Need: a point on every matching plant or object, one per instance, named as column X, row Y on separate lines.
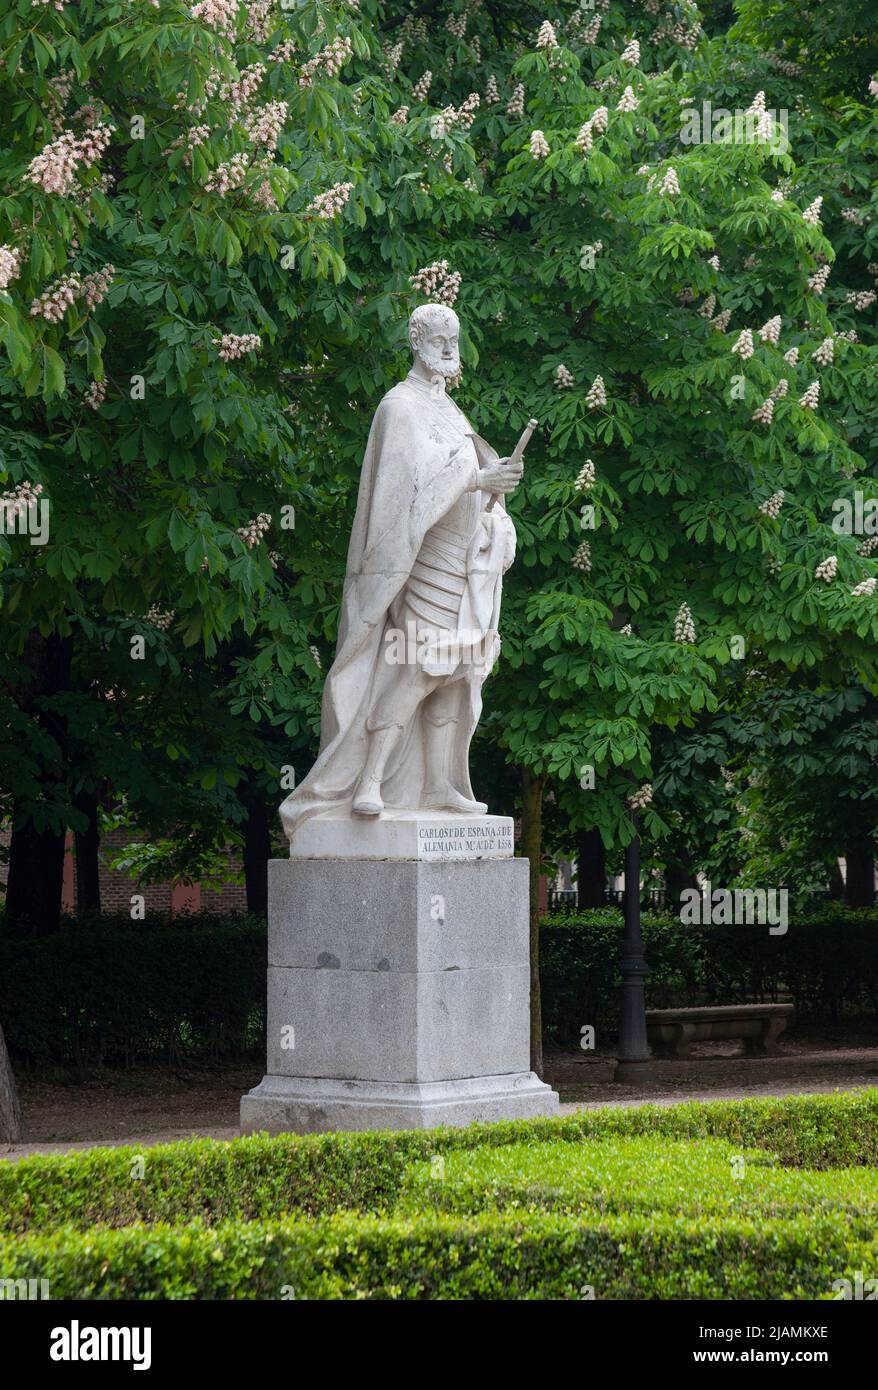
column 157, row 1106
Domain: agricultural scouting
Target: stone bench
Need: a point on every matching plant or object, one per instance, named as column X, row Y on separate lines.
column 671, row 1032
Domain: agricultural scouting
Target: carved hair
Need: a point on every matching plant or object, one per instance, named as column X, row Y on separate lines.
column 426, row 318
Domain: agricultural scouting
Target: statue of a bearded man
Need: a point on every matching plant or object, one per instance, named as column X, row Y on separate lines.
column 418, row 631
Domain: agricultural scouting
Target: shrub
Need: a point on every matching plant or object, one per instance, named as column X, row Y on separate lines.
column 112, row 991
column 261, row 1178
column 494, row 1256
column 627, row 1175
column 827, row 962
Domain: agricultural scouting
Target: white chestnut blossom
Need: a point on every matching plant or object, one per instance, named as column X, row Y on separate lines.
column 743, row 347
column 825, row 353
column 817, row 281
column 327, row 204
column 422, row 87
column 584, row 139
column 772, row 505
column 639, row 800
column 670, row 184
column 55, row 168
column 585, row 477
column 811, row 398
column 546, row 38
column 721, row 321
column 631, row 54
column 811, row 215
column 866, row 587
column 600, row 120
column 94, row 394
column 861, row 299
column 515, row 104
column 13, row 503
column 627, row 101
column 764, row 414
column 827, row 569
column 159, row 618
column 330, row 61
column 219, row 15
column 539, row 146
column 234, row 345
column 437, row 283
column 791, row 356
column 770, row 331
column 563, row 377
column 10, row 265
column 582, row 559
column 57, row 298
column 684, row 627
column 252, row 533
column 779, row 391
column 597, row 394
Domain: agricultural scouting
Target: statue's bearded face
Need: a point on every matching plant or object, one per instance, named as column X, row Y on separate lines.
column 435, row 341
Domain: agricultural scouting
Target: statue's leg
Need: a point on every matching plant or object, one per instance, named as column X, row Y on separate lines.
column 385, row 726
column 440, row 720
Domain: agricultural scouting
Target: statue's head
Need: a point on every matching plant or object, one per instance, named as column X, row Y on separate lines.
column 434, row 330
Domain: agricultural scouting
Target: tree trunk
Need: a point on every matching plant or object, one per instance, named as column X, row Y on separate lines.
column 591, row 869
column 531, row 848
column 36, row 878
column 257, row 846
column 679, row 877
column 10, row 1110
column 860, row 877
column 836, row 882
column 36, row 856
column 88, row 879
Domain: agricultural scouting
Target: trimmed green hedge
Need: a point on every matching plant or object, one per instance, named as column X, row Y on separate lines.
column 110, row 991
column 495, row 1256
column 644, row 1174
column 261, row 1178
column 827, row 961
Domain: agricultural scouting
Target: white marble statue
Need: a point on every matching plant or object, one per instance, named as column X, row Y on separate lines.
column 421, row 604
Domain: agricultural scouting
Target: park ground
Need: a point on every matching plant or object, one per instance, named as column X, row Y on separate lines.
column 154, row 1105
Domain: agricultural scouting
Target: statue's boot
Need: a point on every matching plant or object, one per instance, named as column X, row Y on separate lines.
column 439, row 794
column 367, row 796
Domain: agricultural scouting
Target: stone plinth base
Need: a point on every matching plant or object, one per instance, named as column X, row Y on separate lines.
column 404, row 835
column 398, row 996
column 301, row 1105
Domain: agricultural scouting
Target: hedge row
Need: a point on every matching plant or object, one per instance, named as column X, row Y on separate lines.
column 826, row 962
column 115, row 992
column 495, row 1256
column 261, row 1178
column 626, row 1176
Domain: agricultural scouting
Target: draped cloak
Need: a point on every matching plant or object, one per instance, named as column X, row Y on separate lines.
column 418, row 462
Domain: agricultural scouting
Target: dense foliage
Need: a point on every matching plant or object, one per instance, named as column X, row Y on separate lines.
column 604, row 1204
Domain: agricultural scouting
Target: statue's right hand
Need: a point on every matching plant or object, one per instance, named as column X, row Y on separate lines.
column 500, row 476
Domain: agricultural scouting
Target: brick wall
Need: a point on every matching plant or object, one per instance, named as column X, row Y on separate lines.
column 117, row 890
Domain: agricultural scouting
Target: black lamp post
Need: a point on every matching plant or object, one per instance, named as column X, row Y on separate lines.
column 635, row 1062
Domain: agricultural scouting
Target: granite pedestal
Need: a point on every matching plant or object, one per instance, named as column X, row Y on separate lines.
column 398, row 988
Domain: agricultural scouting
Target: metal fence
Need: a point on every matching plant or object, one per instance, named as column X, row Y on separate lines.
column 565, row 899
